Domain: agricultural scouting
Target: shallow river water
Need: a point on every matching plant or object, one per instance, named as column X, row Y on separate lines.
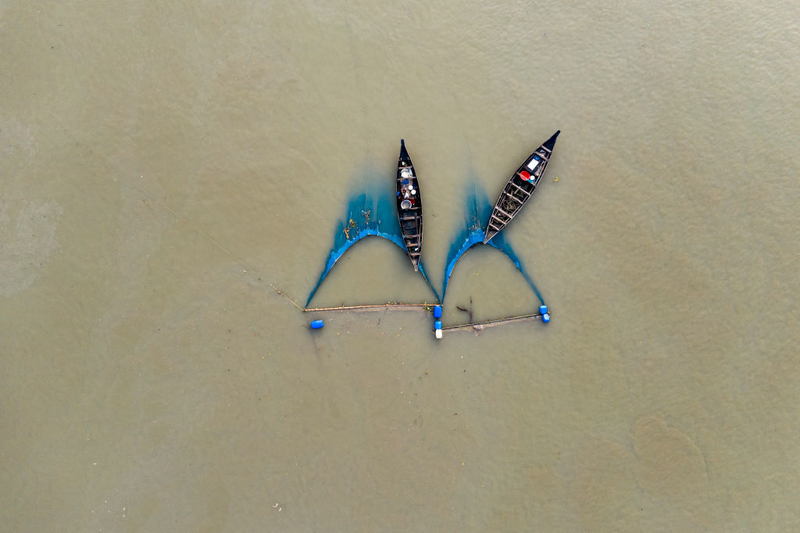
column 164, row 165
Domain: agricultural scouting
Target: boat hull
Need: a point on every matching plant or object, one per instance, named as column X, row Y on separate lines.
column 519, row 188
column 409, row 206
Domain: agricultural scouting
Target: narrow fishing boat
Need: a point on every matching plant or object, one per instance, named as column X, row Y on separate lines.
column 519, row 188
column 409, row 206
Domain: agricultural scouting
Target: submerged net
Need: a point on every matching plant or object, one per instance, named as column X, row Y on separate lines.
column 477, row 211
column 372, row 213
column 368, row 214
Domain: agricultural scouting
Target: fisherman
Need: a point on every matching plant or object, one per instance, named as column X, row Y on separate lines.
column 406, row 189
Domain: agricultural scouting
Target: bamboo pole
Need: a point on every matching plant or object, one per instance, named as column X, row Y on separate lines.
column 478, row 326
column 363, row 307
column 371, row 307
column 474, row 326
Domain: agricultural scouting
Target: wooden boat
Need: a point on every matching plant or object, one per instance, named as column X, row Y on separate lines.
column 519, row 188
column 409, row 206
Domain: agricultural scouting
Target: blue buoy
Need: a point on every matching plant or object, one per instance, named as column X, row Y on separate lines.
column 437, row 324
column 317, row 324
column 437, row 311
column 546, row 318
column 542, row 309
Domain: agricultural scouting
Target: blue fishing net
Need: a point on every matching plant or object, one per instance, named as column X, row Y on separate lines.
column 368, row 214
column 373, row 213
column 477, row 211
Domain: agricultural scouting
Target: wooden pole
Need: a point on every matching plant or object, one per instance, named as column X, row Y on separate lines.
column 371, row 307
column 474, row 326
column 478, row 326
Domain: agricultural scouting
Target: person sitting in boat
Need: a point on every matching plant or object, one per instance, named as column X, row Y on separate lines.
column 407, row 189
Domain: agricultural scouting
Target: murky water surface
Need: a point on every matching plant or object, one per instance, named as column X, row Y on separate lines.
column 163, row 163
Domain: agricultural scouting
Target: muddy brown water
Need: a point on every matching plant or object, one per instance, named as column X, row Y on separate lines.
column 163, row 163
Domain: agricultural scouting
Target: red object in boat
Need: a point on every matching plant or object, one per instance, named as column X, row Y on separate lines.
column 525, row 175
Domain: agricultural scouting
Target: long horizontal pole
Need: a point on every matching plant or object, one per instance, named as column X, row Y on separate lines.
column 475, row 326
column 370, row 307
column 480, row 325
